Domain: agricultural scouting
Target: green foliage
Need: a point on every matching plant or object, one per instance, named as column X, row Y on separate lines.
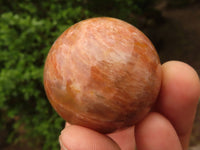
column 27, row 31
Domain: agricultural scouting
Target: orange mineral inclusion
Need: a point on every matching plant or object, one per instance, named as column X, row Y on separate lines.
column 103, row 74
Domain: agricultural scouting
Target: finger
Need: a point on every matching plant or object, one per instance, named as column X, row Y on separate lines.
column 125, row 138
column 179, row 96
column 156, row 133
column 79, row 138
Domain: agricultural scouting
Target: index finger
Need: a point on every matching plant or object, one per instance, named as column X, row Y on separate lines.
column 179, row 96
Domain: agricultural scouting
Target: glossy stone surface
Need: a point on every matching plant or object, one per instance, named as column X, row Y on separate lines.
column 102, row 73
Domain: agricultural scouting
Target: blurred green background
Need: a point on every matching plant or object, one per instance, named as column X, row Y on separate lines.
column 29, row 28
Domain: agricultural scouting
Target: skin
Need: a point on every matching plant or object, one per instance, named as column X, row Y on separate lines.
column 167, row 127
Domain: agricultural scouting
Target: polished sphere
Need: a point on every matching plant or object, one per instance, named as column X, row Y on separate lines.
column 103, row 74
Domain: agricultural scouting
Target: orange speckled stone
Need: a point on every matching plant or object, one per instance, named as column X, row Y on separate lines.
column 102, row 73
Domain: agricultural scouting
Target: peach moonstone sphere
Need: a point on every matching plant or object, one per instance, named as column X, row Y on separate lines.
column 103, row 74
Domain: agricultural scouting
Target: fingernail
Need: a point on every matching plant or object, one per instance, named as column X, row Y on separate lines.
column 61, row 144
column 67, row 124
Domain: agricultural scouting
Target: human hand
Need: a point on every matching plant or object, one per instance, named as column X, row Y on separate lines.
column 167, row 127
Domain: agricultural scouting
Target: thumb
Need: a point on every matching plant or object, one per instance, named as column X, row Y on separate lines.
column 80, row 138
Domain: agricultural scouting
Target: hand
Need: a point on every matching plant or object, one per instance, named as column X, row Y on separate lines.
column 168, row 127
